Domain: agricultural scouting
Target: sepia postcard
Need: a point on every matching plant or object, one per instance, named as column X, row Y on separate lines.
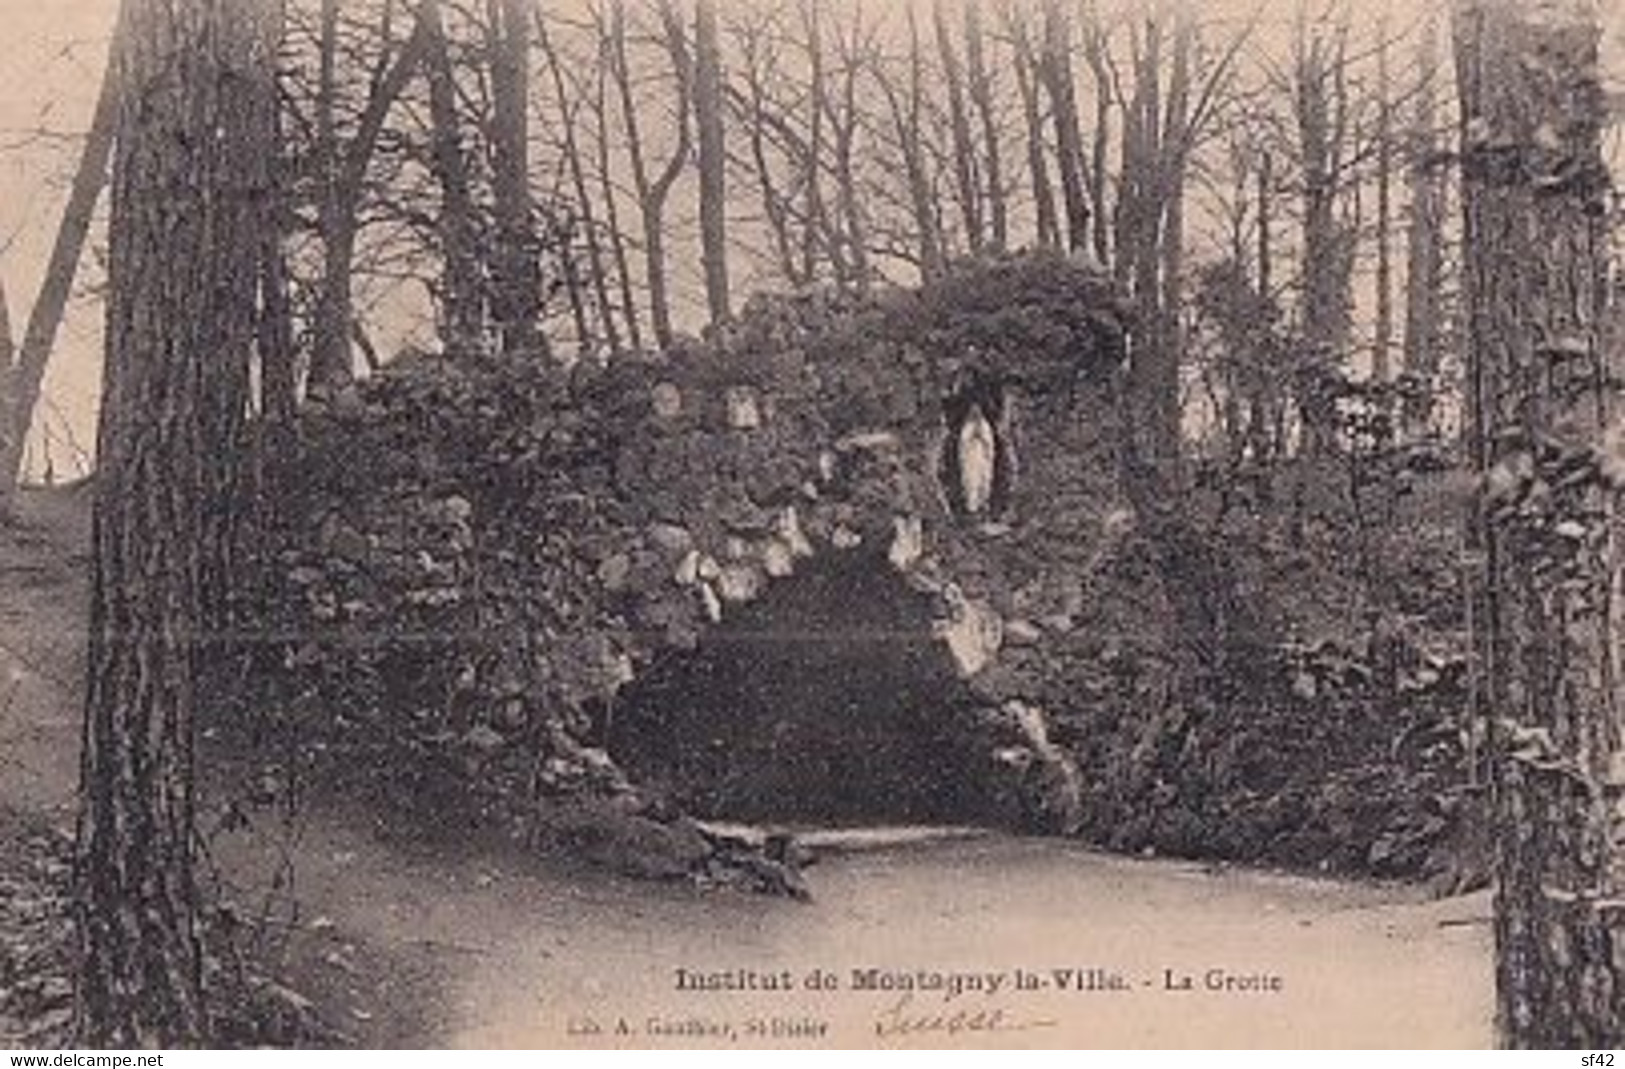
column 606, row 524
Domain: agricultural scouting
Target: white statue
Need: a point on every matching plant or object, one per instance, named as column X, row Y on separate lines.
column 978, row 449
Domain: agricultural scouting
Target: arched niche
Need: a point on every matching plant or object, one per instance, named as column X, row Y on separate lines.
column 976, row 458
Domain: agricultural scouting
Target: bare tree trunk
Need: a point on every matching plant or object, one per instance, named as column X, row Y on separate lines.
column 1327, row 243
column 1029, row 77
column 981, row 93
column 713, row 160
column 8, row 347
column 1383, row 338
column 907, row 120
column 1150, row 250
column 342, row 168
column 922, row 189
column 1058, row 82
column 1266, row 243
column 462, row 290
column 330, row 347
column 21, row 380
column 1170, row 186
column 795, row 257
column 817, row 229
column 1424, row 241
column 1265, row 417
column 844, row 117
column 574, row 289
column 606, row 185
column 653, row 191
column 964, row 149
column 1320, row 107
column 578, row 181
column 1128, row 211
column 516, row 272
column 184, row 250
column 1099, row 67
column 279, row 378
column 1534, row 183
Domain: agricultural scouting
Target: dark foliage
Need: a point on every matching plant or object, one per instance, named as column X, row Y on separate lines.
column 443, row 618
column 483, row 551
column 249, row 1002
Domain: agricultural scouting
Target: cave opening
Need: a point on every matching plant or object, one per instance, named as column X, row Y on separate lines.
column 825, row 701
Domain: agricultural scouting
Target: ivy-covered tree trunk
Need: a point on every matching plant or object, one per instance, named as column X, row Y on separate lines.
column 1534, row 188
column 183, row 274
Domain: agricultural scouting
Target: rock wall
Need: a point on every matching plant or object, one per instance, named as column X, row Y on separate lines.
column 549, row 537
column 480, row 557
column 744, row 462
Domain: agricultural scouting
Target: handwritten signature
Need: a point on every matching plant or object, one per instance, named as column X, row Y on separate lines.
column 903, row 1018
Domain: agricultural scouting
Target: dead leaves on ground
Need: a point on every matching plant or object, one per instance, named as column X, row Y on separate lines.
column 36, row 988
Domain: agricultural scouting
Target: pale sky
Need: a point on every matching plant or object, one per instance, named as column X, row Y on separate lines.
column 49, row 73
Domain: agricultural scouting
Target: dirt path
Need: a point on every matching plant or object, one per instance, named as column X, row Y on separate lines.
column 537, row 953
column 44, row 601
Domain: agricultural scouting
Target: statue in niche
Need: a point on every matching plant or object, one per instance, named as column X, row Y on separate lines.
column 977, row 462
